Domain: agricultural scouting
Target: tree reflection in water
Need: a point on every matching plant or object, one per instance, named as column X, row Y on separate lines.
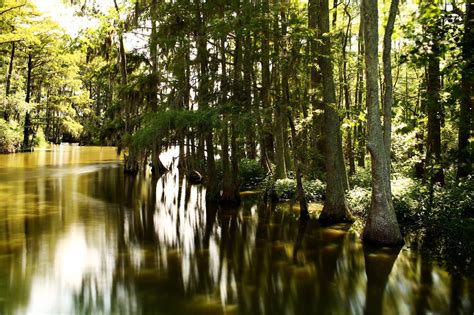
column 86, row 239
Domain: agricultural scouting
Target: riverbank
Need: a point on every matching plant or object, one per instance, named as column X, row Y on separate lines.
column 441, row 226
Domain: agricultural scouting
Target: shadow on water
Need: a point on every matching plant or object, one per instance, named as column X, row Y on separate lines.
column 101, row 242
column 378, row 266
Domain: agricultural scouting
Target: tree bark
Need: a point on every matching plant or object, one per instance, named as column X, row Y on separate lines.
column 388, row 86
column 335, row 206
column 381, row 226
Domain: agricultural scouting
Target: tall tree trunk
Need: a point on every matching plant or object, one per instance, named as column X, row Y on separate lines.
column 433, row 152
column 228, row 192
column 285, row 85
column 359, row 98
column 250, row 144
column 335, row 206
column 237, row 99
column 268, row 147
column 381, row 226
column 27, row 126
column 347, row 96
column 300, row 194
column 280, row 121
column 9, row 78
column 157, row 166
column 433, row 168
column 317, row 136
column 204, row 100
column 388, row 86
column 131, row 160
column 467, row 82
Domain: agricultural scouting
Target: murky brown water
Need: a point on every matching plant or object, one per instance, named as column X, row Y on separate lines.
column 78, row 237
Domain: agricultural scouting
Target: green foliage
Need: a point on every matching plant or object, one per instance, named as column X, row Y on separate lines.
column 251, row 174
column 432, row 207
column 444, row 218
column 361, row 179
column 359, row 200
column 161, row 123
column 315, row 190
column 286, row 189
column 10, row 137
column 40, row 139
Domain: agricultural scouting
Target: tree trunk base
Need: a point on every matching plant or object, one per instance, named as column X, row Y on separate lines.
column 158, row 170
column 213, row 193
column 335, row 214
column 195, row 177
column 380, row 232
column 131, row 166
column 229, row 197
column 231, row 201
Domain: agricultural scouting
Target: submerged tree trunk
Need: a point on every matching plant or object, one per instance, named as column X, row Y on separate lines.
column 335, row 206
column 381, row 226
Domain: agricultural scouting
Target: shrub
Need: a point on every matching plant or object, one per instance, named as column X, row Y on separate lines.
column 362, row 178
column 251, row 174
column 40, row 139
column 359, row 200
column 10, row 137
column 314, row 190
column 286, row 189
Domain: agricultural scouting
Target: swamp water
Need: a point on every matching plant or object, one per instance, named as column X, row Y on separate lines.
column 79, row 237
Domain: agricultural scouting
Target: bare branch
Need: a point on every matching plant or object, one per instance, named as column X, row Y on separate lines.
column 12, row 8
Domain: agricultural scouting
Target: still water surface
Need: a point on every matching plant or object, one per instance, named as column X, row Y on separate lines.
column 79, row 237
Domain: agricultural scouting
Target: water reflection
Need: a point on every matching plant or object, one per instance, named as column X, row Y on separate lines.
column 77, row 236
